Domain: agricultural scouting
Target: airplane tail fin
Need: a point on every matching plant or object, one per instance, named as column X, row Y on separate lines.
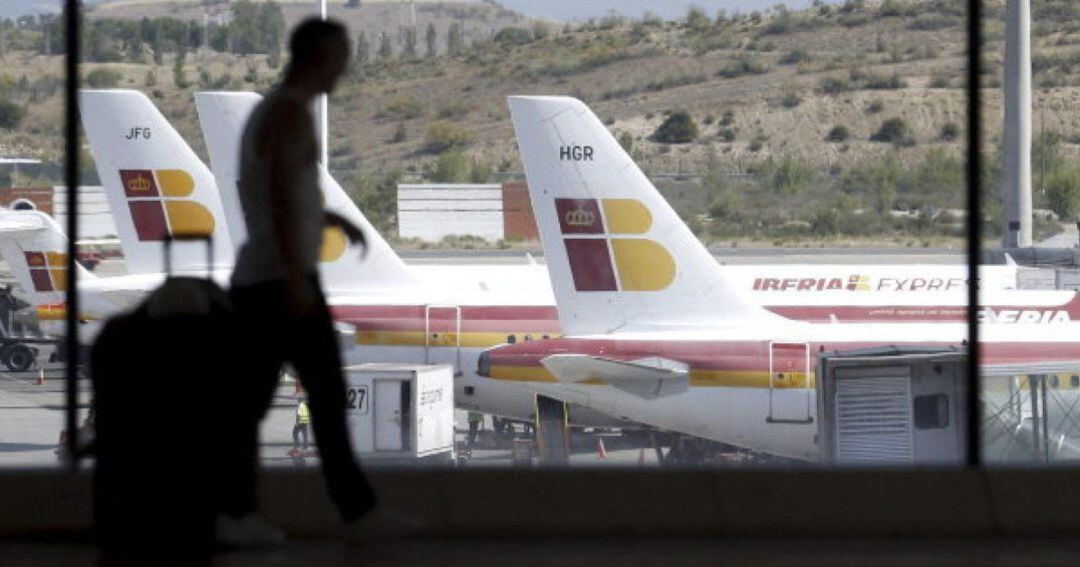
column 155, row 183
column 222, row 116
column 36, row 252
column 618, row 254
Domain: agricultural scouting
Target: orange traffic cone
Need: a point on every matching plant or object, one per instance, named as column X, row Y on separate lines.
column 41, row 377
column 641, row 456
column 601, row 453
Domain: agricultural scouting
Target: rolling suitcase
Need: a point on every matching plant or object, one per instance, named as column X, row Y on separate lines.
column 155, row 372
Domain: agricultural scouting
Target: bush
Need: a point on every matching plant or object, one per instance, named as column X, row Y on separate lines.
column 679, row 128
column 400, row 134
column 894, row 131
column 931, row 21
column 451, row 167
column 838, row 134
column 791, row 99
column 455, row 109
column 875, row 106
column 744, row 65
column 882, row 82
column 402, row 107
column 510, row 36
column 10, row 114
column 727, row 135
column 1063, row 192
column 103, row 78
column 950, row 131
column 442, row 136
column 787, row 176
column 941, row 81
column 834, row 85
column 794, row 57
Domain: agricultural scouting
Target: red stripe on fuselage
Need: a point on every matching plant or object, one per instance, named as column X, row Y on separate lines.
column 534, row 318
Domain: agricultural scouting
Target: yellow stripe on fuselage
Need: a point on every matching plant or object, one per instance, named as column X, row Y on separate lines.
column 435, row 339
column 698, row 378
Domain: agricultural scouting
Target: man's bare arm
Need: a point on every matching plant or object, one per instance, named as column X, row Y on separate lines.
column 353, row 232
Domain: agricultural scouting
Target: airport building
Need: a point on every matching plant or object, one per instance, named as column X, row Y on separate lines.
column 796, row 354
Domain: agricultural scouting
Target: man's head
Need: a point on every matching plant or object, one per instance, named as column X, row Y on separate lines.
column 319, row 53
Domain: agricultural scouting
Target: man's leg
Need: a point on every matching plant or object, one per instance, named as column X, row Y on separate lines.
column 314, row 355
column 248, row 394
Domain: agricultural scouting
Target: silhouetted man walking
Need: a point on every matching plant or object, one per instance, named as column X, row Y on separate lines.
column 276, row 291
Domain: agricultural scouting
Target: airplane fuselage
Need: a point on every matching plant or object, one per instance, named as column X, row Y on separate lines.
column 750, row 387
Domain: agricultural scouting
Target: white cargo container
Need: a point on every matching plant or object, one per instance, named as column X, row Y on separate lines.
column 400, row 411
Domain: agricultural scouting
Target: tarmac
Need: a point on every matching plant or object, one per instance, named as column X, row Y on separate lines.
column 32, row 417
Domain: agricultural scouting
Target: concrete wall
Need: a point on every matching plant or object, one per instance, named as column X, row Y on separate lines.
column 95, row 218
column 628, row 502
column 41, row 197
column 432, row 212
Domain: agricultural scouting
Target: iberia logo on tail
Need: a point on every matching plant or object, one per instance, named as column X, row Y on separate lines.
column 160, row 204
column 48, row 270
column 600, row 263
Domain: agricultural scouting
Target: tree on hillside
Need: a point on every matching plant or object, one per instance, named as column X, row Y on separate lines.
column 10, row 114
column 134, row 50
column 385, row 49
column 430, row 38
column 363, row 49
column 455, row 39
column 678, row 128
column 696, row 18
column 1063, row 192
column 410, row 43
column 179, row 73
column 256, row 28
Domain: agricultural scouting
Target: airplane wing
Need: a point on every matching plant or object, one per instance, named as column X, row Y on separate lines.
column 1030, row 368
column 19, row 223
column 648, row 378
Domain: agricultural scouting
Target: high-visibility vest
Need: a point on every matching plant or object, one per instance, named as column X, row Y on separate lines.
column 303, row 416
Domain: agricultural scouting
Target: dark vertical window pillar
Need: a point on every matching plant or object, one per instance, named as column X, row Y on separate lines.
column 71, row 175
column 974, row 228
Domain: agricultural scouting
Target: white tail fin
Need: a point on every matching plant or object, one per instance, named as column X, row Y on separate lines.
column 155, row 183
column 619, row 256
column 36, row 252
column 222, row 116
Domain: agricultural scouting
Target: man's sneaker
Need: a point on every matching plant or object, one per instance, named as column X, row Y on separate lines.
column 248, row 532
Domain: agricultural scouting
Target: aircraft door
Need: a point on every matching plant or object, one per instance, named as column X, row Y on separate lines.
column 790, row 391
column 442, row 340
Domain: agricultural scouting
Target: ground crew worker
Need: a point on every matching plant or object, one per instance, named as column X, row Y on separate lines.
column 476, row 419
column 303, row 424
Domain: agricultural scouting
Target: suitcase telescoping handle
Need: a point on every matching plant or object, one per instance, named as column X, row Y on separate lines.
column 189, row 237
